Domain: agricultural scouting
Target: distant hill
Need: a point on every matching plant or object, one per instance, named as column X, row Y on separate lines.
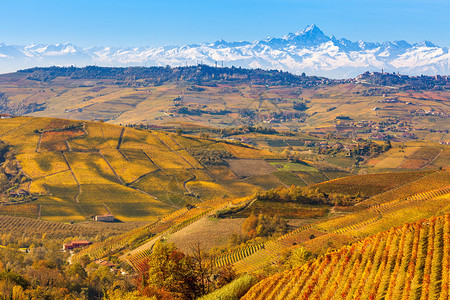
column 201, row 74
column 207, row 75
column 374, row 105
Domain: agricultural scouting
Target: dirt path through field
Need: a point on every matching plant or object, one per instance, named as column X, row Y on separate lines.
column 181, row 156
column 183, row 148
column 119, row 143
column 78, row 184
column 107, row 209
column 151, row 160
column 74, row 177
column 431, row 161
column 307, row 184
column 129, row 186
column 186, row 181
column 112, row 169
column 38, row 146
column 142, row 176
column 39, row 211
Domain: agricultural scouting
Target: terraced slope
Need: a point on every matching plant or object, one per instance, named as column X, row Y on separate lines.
column 339, row 231
column 18, row 226
column 135, row 246
column 408, row 262
column 370, row 185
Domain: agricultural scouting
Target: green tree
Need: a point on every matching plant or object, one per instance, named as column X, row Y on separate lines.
column 299, row 257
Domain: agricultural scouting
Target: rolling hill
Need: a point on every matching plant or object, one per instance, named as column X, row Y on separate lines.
column 202, row 145
column 80, row 169
column 407, row 262
column 377, row 106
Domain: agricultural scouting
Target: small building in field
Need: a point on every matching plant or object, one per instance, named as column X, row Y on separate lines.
column 75, row 244
column 105, row 218
column 105, row 263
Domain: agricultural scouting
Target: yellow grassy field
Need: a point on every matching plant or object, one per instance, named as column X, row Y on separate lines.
column 6, row 125
column 39, row 164
column 188, row 142
column 23, row 138
column 166, row 159
column 394, row 158
column 207, row 188
column 201, row 175
column 52, row 210
column 63, row 181
column 167, row 140
column 243, row 152
column 99, row 136
column 189, row 159
column 129, row 170
column 90, row 168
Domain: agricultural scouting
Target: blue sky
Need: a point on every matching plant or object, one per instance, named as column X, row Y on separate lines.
column 178, row 22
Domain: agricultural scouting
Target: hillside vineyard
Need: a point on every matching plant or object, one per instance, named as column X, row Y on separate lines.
column 409, row 262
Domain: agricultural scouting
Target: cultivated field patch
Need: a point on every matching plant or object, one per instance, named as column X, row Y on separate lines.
column 40, row 164
column 56, row 140
column 369, row 185
column 250, row 167
column 207, row 233
column 289, row 178
column 267, row 181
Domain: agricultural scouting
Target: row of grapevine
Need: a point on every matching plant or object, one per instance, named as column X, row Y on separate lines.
column 358, row 225
column 270, row 248
column 234, row 256
column 347, row 221
column 339, row 225
column 431, row 181
column 409, row 262
column 172, row 216
column 189, row 221
column 234, row 290
column 374, row 213
column 294, row 232
column 137, row 259
column 259, row 258
column 114, row 244
column 56, row 230
column 197, row 217
column 416, row 197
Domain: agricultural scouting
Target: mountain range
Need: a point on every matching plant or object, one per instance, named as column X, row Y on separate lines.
column 307, row 51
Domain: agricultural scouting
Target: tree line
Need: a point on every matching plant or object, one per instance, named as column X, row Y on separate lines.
column 308, row 196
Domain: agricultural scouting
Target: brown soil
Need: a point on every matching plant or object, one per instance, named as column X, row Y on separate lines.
column 207, row 232
column 250, row 167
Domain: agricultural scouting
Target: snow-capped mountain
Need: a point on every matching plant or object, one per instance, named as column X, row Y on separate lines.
column 308, row 50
